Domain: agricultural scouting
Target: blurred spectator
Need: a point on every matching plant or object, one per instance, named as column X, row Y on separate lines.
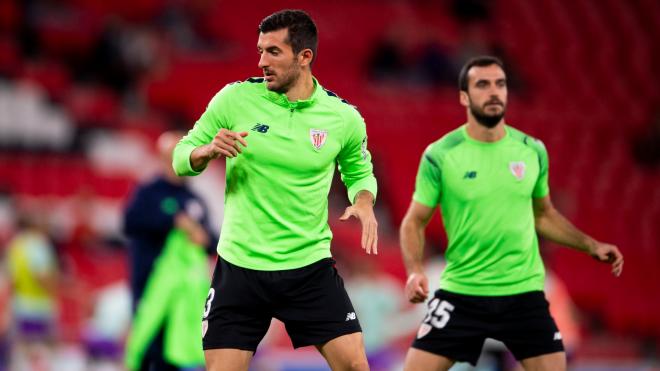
column 33, row 272
column 122, row 54
column 156, row 208
column 433, row 67
column 175, row 292
column 646, row 147
column 387, row 60
column 405, row 55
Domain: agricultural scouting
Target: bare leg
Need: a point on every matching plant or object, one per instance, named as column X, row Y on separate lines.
column 547, row 362
column 345, row 353
column 227, row 359
column 419, row 360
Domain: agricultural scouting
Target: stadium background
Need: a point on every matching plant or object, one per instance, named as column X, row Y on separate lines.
column 87, row 85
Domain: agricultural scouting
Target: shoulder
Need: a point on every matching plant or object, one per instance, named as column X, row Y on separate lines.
column 529, row 141
column 436, row 151
column 247, row 86
column 340, row 106
column 445, row 144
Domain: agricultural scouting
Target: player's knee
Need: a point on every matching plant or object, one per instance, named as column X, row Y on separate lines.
column 359, row 365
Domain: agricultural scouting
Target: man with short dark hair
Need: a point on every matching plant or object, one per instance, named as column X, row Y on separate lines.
column 274, row 252
column 491, row 183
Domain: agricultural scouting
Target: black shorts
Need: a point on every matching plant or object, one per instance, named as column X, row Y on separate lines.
column 456, row 325
column 311, row 302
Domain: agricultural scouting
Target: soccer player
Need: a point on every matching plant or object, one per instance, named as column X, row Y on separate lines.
column 491, row 182
column 274, row 250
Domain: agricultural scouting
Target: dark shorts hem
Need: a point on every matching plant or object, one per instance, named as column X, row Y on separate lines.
column 445, row 353
column 538, row 352
column 326, row 339
column 227, row 345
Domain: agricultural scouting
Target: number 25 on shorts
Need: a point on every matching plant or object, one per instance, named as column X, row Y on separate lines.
column 439, row 313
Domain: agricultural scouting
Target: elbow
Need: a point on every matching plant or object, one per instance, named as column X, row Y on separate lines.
column 408, row 224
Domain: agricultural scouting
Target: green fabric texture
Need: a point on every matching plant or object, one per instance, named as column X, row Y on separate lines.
column 485, row 193
column 174, row 298
column 276, row 194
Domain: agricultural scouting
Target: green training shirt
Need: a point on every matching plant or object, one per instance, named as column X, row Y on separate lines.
column 276, row 196
column 485, row 194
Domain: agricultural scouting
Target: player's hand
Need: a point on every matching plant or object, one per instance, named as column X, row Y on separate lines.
column 607, row 253
column 226, row 143
column 417, row 288
column 363, row 209
column 192, row 228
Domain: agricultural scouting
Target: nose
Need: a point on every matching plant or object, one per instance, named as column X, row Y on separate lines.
column 263, row 60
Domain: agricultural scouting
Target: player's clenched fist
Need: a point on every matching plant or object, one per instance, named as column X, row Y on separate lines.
column 226, row 143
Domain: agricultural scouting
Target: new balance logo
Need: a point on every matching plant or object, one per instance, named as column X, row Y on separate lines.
column 261, row 128
column 350, row 316
column 557, row 336
column 470, row 175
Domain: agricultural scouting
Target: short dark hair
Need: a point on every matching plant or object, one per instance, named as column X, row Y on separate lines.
column 480, row 61
column 302, row 30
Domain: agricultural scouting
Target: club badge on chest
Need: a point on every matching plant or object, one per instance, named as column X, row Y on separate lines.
column 517, row 169
column 318, row 137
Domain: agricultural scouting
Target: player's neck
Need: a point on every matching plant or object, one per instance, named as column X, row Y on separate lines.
column 481, row 133
column 303, row 89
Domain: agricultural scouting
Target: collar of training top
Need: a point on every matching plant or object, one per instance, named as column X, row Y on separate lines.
column 282, row 100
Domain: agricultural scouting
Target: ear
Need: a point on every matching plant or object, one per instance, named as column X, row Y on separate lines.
column 464, row 98
column 305, row 57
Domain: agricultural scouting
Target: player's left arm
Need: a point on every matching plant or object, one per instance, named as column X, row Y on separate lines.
column 552, row 225
column 356, row 170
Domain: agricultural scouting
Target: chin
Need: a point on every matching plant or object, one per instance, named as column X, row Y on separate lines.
column 272, row 86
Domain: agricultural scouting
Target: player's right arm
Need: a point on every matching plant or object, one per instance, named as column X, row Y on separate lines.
column 412, row 249
column 225, row 143
column 211, row 137
column 425, row 199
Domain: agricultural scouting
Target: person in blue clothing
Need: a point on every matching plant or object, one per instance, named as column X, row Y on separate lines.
column 154, row 210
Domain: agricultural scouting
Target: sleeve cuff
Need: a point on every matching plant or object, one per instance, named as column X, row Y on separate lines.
column 430, row 204
column 181, row 160
column 366, row 184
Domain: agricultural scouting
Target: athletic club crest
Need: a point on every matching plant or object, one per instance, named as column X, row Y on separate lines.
column 424, row 329
column 205, row 327
column 318, row 137
column 517, row 169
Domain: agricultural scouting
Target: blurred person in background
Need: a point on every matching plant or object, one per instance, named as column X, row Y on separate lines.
column 33, row 272
column 491, row 182
column 156, row 208
column 274, row 252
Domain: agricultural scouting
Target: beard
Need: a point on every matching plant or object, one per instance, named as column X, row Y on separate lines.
column 485, row 119
column 288, row 79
